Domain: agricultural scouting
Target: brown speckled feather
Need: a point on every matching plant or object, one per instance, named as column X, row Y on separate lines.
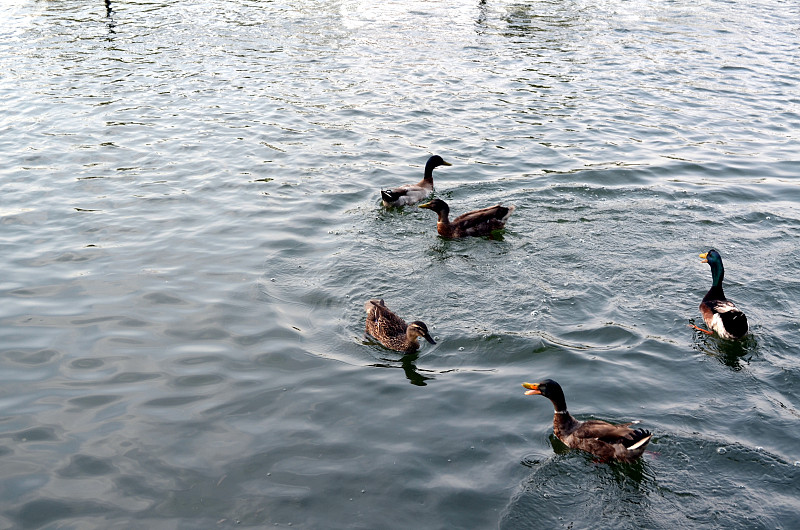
column 391, row 330
column 381, row 321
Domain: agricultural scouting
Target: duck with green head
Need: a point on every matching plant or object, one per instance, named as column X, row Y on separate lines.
column 720, row 314
column 600, row 438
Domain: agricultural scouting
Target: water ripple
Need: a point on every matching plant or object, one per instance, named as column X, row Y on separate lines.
column 192, row 224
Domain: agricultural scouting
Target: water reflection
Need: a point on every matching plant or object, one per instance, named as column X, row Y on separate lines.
column 621, row 472
column 246, row 301
column 550, row 20
column 734, row 354
column 408, row 363
column 635, row 494
column 480, row 21
column 632, row 474
column 624, row 488
column 110, row 19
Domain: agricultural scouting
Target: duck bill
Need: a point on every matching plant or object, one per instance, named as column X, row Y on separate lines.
column 533, row 389
column 445, row 163
column 429, row 338
column 427, row 206
column 704, row 256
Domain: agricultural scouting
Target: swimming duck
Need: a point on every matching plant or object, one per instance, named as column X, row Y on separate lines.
column 720, row 314
column 413, row 193
column 475, row 223
column 600, row 438
column 391, row 330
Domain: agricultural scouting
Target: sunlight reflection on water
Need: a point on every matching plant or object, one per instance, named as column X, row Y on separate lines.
column 192, row 224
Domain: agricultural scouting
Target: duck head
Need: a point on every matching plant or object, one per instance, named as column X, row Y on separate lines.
column 437, row 205
column 714, row 261
column 436, row 161
column 419, row 329
column 549, row 389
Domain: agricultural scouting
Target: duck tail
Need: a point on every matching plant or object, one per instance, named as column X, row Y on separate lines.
column 388, row 195
column 508, row 213
column 738, row 325
column 638, row 439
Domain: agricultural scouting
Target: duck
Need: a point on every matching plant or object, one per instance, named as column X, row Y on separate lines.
column 413, row 193
column 604, row 440
column 476, row 223
column 720, row 314
column 391, row 330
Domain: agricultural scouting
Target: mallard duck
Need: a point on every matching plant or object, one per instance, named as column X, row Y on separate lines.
column 600, row 438
column 475, row 223
column 391, row 330
column 413, row 193
column 720, row 314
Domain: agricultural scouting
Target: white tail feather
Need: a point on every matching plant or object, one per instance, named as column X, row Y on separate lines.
column 640, row 443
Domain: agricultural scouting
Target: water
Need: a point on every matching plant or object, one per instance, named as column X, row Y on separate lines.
column 191, row 225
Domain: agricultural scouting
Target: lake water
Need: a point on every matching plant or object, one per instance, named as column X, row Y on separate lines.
column 191, row 225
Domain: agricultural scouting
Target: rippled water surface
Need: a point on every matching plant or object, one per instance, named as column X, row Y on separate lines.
column 191, row 225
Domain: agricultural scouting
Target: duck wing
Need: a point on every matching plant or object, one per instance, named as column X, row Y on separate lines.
column 724, row 317
column 610, row 441
column 602, row 430
column 382, row 322
column 483, row 220
column 497, row 211
column 405, row 195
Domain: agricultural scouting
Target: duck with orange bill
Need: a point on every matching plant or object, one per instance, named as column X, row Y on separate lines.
column 720, row 314
column 476, row 223
column 600, row 438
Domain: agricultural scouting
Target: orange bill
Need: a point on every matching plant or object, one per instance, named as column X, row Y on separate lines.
column 533, row 389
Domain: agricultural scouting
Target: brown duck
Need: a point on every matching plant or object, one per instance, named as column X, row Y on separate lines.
column 600, row 438
column 476, row 223
column 391, row 330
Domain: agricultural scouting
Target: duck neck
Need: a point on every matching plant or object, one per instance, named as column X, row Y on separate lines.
column 563, row 423
column 559, row 402
column 411, row 340
column 428, row 173
column 717, row 274
column 443, row 226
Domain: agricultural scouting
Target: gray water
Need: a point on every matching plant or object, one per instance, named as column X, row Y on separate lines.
column 191, row 225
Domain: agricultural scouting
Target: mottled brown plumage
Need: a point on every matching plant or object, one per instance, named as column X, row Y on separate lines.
column 391, row 330
column 476, row 223
column 600, row 438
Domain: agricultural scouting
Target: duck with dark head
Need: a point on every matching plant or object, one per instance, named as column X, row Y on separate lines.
column 475, row 223
column 413, row 193
column 600, row 438
column 391, row 330
column 720, row 314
